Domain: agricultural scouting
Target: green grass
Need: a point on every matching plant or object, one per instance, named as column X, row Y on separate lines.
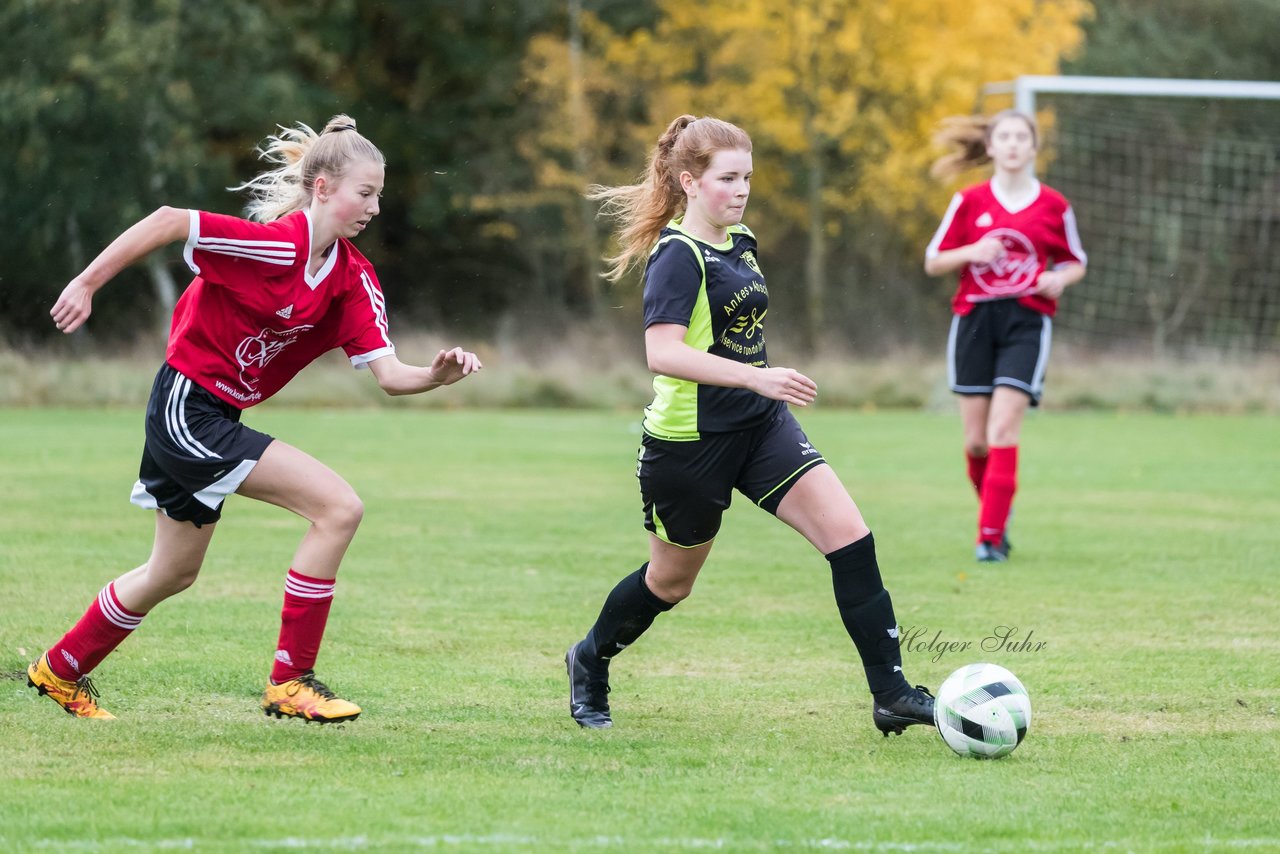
column 1146, row 556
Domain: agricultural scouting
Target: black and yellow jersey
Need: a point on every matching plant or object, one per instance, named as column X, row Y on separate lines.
column 718, row 292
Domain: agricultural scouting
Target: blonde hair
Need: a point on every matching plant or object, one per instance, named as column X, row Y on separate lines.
column 644, row 208
column 968, row 138
column 301, row 156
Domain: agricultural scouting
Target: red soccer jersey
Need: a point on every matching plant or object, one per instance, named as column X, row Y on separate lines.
column 1037, row 237
column 253, row 317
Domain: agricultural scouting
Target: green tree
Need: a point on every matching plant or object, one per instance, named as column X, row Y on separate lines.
column 433, row 84
column 110, row 110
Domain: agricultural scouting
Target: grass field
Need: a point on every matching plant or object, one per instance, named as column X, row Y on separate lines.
column 1144, row 579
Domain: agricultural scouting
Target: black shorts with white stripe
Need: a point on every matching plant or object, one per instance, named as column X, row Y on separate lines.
column 197, row 452
column 999, row 343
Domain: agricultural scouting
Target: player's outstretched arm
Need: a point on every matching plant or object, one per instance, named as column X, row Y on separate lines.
column 163, row 226
column 396, row 378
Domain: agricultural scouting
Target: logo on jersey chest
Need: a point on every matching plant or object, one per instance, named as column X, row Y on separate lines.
column 749, row 258
column 746, row 326
column 1012, row 273
column 255, row 352
column 744, row 333
column 984, row 221
column 286, row 312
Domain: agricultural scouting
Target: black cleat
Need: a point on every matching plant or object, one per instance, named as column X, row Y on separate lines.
column 911, row 708
column 588, row 692
column 993, row 552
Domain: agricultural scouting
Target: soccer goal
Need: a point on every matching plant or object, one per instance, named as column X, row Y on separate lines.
column 1176, row 188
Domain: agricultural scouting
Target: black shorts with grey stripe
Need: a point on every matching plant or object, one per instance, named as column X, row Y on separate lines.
column 999, row 343
column 197, row 452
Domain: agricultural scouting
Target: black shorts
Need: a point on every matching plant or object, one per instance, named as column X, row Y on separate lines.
column 687, row 486
column 197, row 452
column 999, row 343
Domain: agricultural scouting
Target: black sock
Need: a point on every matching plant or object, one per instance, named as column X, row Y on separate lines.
column 628, row 611
column 867, row 612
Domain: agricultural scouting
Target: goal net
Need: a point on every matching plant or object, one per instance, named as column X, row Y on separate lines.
column 1176, row 189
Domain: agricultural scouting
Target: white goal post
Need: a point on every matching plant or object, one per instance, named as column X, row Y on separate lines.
column 1026, row 88
column 1176, row 189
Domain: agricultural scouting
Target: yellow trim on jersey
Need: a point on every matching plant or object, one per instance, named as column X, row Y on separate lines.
column 673, row 413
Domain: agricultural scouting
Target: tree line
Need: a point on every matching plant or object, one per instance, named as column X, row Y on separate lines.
column 495, row 116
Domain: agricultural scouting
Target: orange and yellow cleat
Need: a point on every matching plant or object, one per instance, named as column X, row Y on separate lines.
column 308, row 698
column 76, row 698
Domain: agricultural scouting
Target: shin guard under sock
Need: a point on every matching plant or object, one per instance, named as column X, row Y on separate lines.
column 302, row 621
column 867, row 613
column 630, row 608
column 103, row 627
column 998, row 488
column 977, row 471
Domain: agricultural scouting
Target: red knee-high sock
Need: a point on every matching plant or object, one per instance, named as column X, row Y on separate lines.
column 977, row 471
column 998, row 487
column 302, row 621
column 102, row 628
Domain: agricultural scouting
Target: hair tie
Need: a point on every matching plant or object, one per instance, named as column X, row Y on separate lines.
column 337, row 128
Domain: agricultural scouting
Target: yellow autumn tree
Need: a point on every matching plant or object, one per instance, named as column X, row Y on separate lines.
column 841, row 98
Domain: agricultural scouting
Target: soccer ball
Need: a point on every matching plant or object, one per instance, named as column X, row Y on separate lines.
column 982, row 710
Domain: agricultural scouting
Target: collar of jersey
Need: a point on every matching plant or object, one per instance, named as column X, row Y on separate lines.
column 677, row 224
column 313, row 282
column 1004, row 200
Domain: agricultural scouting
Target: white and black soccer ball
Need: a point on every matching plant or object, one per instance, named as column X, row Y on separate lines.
column 982, row 710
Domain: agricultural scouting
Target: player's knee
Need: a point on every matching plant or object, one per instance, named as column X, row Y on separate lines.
column 975, row 448
column 670, row 590
column 1003, row 435
column 345, row 511
column 674, row 593
column 171, row 580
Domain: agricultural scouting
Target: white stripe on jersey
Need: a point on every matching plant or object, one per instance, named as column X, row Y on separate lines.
column 379, row 304
column 280, row 252
column 114, row 614
column 932, row 250
column 193, row 235
column 175, row 420
column 276, row 245
column 266, row 256
column 1073, row 235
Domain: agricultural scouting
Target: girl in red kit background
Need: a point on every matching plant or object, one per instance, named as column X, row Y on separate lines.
column 1015, row 245
column 270, row 295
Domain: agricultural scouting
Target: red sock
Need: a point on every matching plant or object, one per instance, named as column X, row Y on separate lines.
column 302, row 621
column 977, row 470
column 998, row 488
column 100, row 630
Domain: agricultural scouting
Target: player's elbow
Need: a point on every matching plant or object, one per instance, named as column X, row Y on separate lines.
column 659, row 360
column 173, row 222
column 393, row 386
column 392, row 375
